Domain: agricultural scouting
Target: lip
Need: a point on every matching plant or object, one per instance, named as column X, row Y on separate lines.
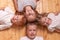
column 32, row 34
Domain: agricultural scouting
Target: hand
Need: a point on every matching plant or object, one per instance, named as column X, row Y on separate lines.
column 57, row 30
column 1, row 22
column 1, row 8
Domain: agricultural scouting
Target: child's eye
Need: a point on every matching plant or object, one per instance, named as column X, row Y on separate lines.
column 34, row 30
column 30, row 30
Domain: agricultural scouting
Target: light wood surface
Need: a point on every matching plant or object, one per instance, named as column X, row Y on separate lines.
column 15, row 33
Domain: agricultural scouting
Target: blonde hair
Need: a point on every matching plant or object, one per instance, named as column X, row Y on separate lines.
column 31, row 23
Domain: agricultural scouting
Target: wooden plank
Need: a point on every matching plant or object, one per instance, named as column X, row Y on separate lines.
column 16, row 32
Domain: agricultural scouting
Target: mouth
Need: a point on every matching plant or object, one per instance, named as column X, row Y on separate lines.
column 32, row 34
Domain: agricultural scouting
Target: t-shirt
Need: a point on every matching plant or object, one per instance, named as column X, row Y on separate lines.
column 5, row 18
column 36, row 38
column 55, row 22
column 23, row 3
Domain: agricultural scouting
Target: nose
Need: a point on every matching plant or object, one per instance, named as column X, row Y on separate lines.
column 47, row 21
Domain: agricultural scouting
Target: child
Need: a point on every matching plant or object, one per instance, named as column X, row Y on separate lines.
column 27, row 7
column 30, row 15
column 31, row 32
column 6, row 16
column 52, row 21
column 20, row 4
column 18, row 20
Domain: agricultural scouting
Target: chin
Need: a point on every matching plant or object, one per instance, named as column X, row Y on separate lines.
column 46, row 25
column 32, row 37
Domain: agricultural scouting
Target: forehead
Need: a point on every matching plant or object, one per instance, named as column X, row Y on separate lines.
column 31, row 26
column 43, row 19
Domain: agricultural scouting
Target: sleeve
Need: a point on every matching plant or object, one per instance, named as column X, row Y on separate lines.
column 22, row 38
column 50, row 15
column 6, row 18
column 42, row 38
column 53, row 25
column 4, row 26
column 39, row 38
column 9, row 10
column 51, row 29
column 24, row 3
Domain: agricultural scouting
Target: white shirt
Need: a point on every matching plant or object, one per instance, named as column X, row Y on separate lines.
column 23, row 3
column 55, row 22
column 36, row 38
column 5, row 18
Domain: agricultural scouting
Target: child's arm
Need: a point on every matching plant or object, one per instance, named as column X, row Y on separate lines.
column 5, row 26
column 15, row 4
column 57, row 30
column 2, row 8
column 56, row 13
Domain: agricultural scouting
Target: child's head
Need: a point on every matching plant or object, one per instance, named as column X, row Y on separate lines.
column 31, row 30
column 18, row 20
column 30, row 14
column 44, row 21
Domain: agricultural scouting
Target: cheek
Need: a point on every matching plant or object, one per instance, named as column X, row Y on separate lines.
column 26, row 13
column 13, row 20
column 29, row 32
column 45, row 24
column 34, row 32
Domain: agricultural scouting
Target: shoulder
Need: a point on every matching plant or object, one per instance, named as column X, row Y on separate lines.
column 50, row 14
column 23, row 38
column 52, row 26
column 39, row 37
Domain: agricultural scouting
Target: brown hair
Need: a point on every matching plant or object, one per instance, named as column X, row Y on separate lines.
column 40, row 16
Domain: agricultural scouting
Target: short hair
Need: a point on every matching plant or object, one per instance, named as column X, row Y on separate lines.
column 31, row 23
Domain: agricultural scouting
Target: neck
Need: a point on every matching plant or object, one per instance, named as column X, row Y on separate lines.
column 30, row 38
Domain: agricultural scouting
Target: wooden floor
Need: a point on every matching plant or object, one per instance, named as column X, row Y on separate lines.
column 15, row 32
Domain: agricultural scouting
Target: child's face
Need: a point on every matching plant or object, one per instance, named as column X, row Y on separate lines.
column 45, row 21
column 30, row 14
column 31, row 31
column 18, row 19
